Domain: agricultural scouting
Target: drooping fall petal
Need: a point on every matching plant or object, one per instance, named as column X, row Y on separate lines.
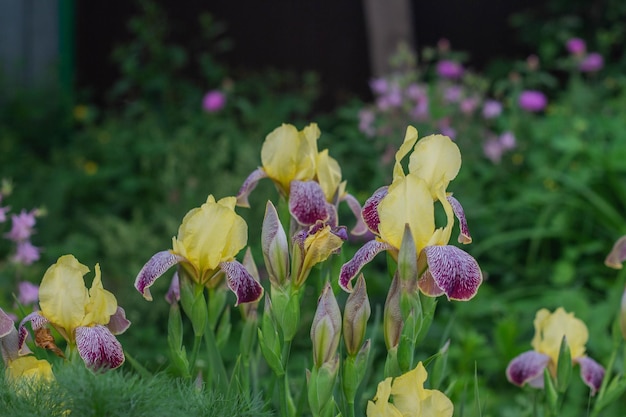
column 360, row 227
column 37, row 321
column 307, row 203
column 454, row 271
column 99, row 348
column 118, row 323
column 591, row 372
column 241, row 282
column 153, row 269
column 527, row 368
column 363, row 256
column 370, row 209
column 248, row 185
column 616, row 257
column 464, row 234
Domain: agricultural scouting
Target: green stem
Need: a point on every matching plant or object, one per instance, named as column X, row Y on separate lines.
column 194, row 354
column 283, row 386
column 218, row 372
column 350, row 409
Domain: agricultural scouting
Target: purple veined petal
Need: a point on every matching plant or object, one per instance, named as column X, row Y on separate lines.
column 248, row 185
column 173, row 292
column 6, row 324
column 370, row 209
column 99, row 348
column 454, row 271
column 527, row 368
column 428, row 285
column 37, row 321
column 333, row 217
column 360, row 228
column 241, row 282
column 118, row 323
column 153, row 269
column 307, row 203
column 617, row 255
column 363, row 256
column 464, row 235
column 591, row 372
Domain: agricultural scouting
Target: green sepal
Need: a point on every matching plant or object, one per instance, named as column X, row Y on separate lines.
column 564, row 367
column 186, row 292
column 391, row 363
column 178, row 354
column 407, row 259
column 199, row 314
column 270, row 355
column 614, row 390
column 428, row 305
column 217, row 301
column 406, row 347
column 321, row 384
column 248, row 337
column 286, row 310
column 552, row 396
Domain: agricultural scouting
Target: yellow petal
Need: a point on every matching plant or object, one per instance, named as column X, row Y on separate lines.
column 550, row 329
column 408, row 389
column 102, row 303
column 436, row 404
column 380, row 406
column 408, row 201
column 437, row 160
column 410, row 137
column 319, row 246
column 62, row 293
column 289, row 155
column 31, row 368
column 328, row 174
column 211, row 234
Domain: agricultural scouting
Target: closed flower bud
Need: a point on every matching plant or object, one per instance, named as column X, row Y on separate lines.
column 392, row 319
column 326, row 327
column 356, row 314
column 275, row 246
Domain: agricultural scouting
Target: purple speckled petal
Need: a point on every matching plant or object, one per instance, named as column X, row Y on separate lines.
column 360, row 228
column 591, row 372
column 464, row 234
column 6, row 324
column 153, row 269
column 307, row 203
column 370, row 209
column 99, row 348
column 617, row 255
column 9, row 341
column 37, row 321
column 248, row 185
column 527, row 368
column 428, row 285
column 454, row 271
column 173, row 292
column 118, row 323
column 364, row 255
column 241, row 282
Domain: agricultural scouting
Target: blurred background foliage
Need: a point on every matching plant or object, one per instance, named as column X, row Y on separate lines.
column 116, row 180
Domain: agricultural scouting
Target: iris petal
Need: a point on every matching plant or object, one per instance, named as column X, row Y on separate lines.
column 617, row 255
column 454, row 271
column 360, row 228
column 118, row 322
column 428, row 285
column 370, row 209
column 99, row 348
column 591, row 372
column 464, row 234
column 37, row 321
column 307, row 203
column 241, row 282
column 153, row 269
column 248, row 185
column 363, row 256
column 527, row 367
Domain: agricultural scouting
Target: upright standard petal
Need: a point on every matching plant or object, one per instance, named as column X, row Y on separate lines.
column 62, row 293
column 410, row 137
column 99, row 348
column 328, row 175
column 550, row 329
column 454, row 271
column 153, row 269
column 241, row 282
column 410, row 397
column 527, row 368
column 380, row 406
column 102, row 303
column 437, row 160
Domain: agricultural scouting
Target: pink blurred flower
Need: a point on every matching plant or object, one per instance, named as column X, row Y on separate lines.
column 379, row 85
column 366, row 122
column 449, row 69
column 591, row 63
column 28, row 293
column 492, row 109
column 421, row 110
column 3, row 212
column 576, row 46
column 213, row 101
column 532, row 100
column 416, row 92
column 446, row 129
column 507, row 140
column 532, row 62
column 452, row 94
column 26, row 253
column 22, row 226
column 492, row 148
column 468, row 105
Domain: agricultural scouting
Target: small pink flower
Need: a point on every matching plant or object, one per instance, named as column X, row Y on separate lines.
column 446, row 129
column 26, row 253
column 366, row 122
column 421, row 110
column 507, row 140
column 22, row 226
column 492, row 109
column 213, row 101
column 452, row 94
column 492, row 148
column 379, row 86
column 416, row 92
column 28, row 293
column 449, row 69
column 576, row 46
column 532, row 100
column 468, row 105
column 591, row 63
column 3, row 213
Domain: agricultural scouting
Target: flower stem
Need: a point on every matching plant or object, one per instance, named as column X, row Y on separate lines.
column 218, row 371
column 194, row 354
column 283, row 385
